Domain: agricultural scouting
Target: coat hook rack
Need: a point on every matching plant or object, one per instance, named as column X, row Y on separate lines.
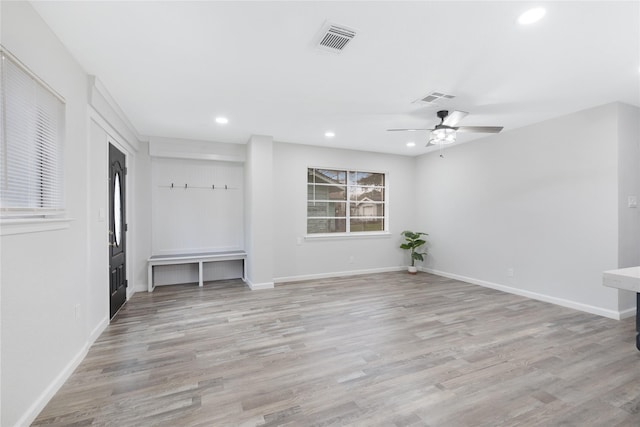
column 186, row 186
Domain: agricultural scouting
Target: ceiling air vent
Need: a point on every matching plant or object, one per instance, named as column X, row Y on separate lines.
column 334, row 38
column 434, row 98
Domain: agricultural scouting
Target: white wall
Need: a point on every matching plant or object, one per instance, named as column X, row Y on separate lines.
column 142, row 233
column 98, row 224
column 55, row 290
column 541, row 200
column 629, row 185
column 204, row 216
column 298, row 257
column 199, row 218
column 259, row 211
column 44, row 274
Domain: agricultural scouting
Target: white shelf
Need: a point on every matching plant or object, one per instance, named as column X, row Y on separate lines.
column 623, row 278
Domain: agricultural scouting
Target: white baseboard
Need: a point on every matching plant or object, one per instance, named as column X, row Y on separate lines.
column 36, row 407
column 611, row 314
column 257, row 286
column 99, row 329
column 336, row 274
column 629, row 312
column 139, row 287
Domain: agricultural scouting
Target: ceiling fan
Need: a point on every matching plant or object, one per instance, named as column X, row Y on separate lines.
column 445, row 131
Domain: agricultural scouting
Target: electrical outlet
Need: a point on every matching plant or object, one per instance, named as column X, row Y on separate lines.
column 510, row 272
column 77, row 311
column 351, row 259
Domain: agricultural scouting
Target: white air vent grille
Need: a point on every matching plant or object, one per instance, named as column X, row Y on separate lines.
column 335, row 38
column 434, row 97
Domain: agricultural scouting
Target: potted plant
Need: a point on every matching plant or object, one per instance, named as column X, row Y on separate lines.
column 413, row 242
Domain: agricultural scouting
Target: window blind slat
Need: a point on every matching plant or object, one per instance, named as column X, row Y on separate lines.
column 31, row 146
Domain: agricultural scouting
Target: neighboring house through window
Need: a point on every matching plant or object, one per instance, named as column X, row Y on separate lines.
column 345, row 201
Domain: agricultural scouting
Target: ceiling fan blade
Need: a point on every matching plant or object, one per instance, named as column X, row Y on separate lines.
column 480, row 129
column 454, row 117
column 405, row 130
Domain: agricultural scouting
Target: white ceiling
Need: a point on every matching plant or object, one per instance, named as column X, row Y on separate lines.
column 174, row 66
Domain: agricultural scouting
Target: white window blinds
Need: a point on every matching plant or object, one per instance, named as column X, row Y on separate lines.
column 31, row 143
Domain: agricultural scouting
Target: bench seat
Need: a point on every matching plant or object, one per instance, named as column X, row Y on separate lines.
column 194, row 258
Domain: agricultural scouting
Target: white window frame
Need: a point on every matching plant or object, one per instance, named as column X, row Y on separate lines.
column 348, row 233
column 38, row 172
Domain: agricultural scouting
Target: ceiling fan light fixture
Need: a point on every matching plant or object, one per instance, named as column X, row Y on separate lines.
column 442, row 136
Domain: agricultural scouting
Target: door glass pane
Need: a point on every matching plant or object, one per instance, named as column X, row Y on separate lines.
column 117, row 210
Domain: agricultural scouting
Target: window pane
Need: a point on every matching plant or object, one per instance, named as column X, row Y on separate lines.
column 338, row 225
column 366, row 209
column 324, row 209
column 329, row 191
column 366, row 178
column 326, row 176
column 326, row 192
column 375, row 194
column 369, row 224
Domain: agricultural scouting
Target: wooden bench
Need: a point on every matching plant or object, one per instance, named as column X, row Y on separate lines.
column 196, row 258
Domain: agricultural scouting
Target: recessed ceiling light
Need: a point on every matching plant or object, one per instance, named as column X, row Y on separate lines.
column 411, row 144
column 222, row 120
column 531, row 16
column 329, row 134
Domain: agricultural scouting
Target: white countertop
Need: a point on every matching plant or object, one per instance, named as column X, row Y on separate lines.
column 623, row 278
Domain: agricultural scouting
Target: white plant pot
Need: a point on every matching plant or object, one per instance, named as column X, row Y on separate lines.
column 413, row 270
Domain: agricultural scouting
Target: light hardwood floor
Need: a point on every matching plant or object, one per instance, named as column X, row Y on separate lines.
column 374, row 350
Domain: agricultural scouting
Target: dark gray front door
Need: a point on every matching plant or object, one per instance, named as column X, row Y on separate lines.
column 117, row 228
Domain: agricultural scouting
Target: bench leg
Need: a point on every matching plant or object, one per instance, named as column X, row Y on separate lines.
column 150, row 279
column 200, row 283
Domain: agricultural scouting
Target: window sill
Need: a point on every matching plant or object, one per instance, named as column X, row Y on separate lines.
column 32, row 225
column 348, row 236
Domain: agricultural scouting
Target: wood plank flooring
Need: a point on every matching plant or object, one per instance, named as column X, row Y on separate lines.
column 374, row 350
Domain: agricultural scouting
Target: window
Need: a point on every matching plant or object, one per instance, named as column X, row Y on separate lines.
column 344, row 201
column 30, row 143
